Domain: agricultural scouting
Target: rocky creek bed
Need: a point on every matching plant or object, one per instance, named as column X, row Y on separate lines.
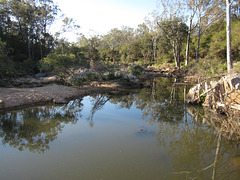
column 15, row 98
column 38, row 90
column 221, row 96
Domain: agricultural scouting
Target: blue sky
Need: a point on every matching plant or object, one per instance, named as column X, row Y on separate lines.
column 100, row 16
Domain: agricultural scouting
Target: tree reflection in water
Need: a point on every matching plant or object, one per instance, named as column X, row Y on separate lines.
column 197, row 151
column 222, row 152
column 35, row 128
column 98, row 103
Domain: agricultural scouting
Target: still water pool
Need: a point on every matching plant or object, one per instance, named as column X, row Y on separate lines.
column 147, row 134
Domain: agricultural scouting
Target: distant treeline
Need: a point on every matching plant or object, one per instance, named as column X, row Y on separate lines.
column 27, row 47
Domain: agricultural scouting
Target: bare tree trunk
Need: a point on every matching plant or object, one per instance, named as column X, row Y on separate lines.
column 155, row 49
column 29, row 45
column 199, row 36
column 188, row 42
column 228, row 29
column 41, row 49
column 178, row 56
column 175, row 53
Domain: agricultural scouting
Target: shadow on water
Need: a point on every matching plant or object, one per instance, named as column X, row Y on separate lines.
column 196, row 149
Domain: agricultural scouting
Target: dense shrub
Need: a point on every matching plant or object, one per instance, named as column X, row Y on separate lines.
column 57, row 62
column 91, row 76
column 114, row 75
column 136, row 70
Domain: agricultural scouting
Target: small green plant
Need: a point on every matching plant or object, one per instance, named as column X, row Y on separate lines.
column 136, row 70
column 91, row 76
column 113, row 75
column 57, row 62
column 75, row 80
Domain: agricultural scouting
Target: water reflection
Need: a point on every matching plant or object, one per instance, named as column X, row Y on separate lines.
column 35, row 128
column 163, row 102
column 194, row 149
column 98, row 103
column 197, row 151
column 225, row 162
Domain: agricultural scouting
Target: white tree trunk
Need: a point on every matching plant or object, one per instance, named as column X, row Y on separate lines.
column 199, row 37
column 175, row 53
column 228, row 28
column 188, row 42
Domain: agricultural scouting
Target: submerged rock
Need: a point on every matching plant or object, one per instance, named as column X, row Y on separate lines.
column 143, row 132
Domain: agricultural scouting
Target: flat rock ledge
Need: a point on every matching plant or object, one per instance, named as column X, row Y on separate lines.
column 16, row 98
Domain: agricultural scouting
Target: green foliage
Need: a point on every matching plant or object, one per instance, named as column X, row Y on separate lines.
column 26, row 44
column 212, row 61
column 26, row 67
column 207, row 67
column 236, row 40
column 3, row 59
column 136, row 70
column 174, row 35
column 57, row 62
column 76, row 80
column 91, row 76
column 112, row 75
column 213, row 42
column 23, row 28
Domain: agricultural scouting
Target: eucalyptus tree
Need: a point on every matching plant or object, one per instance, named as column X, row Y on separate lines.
column 145, row 36
column 24, row 28
column 236, row 8
column 5, row 23
column 111, row 43
column 228, row 29
column 114, row 45
column 208, row 12
column 5, row 68
column 46, row 13
column 32, row 18
column 192, row 8
column 127, row 37
column 172, row 25
column 93, row 48
column 153, row 33
column 175, row 30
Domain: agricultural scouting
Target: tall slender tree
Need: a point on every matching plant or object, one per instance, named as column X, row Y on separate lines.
column 208, row 12
column 172, row 17
column 228, row 29
column 175, row 31
column 192, row 6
